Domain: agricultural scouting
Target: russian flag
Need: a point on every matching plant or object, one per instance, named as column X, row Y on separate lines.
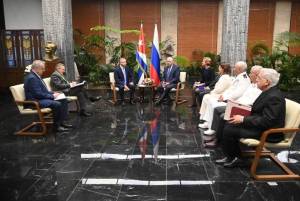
column 141, row 56
column 155, row 59
column 142, row 141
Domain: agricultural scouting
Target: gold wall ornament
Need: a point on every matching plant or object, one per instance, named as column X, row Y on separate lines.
column 50, row 49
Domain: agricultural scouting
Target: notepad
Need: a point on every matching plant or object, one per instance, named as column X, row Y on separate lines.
column 79, row 84
column 60, row 96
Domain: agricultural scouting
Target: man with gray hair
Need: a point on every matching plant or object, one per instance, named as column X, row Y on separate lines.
column 268, row 111
column 248, row 98
column 36, row 90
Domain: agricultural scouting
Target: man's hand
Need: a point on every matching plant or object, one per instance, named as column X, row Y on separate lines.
column 72, row 84
column 126, row 88
column 165, row 84
column 55, row 94
column 221, row 98
column 236, row 119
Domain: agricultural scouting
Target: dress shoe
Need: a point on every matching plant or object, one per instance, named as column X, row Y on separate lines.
column 222, row 160
column 96, row 98
column 66, row 125
column 209, row 132
column 211, row 144
column 85, row 113
column 60, row 129
column 204, row 125
column 235, row 162
column 207, row 138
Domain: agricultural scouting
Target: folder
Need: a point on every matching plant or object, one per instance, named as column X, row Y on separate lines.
column 234, row 108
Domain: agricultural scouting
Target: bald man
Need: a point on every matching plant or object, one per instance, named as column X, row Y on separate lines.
column 170, row 80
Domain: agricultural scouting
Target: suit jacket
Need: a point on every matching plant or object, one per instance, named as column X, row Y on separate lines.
column 173, row 76
column 119, row 77
column 223, row 83
column 214, row 82
column 35, row 89
column 268, row 111
column 207, row 75
column 59, row 83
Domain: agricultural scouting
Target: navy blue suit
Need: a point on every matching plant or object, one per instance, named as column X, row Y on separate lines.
column 36, row 90
column 174, row 74
column 121, row 82
column 170, row 76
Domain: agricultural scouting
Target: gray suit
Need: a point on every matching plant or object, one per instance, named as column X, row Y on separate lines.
column 59, row 83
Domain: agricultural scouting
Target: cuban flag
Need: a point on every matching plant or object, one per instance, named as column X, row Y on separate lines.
column 142, row 141
column 155, row 59
column 155, row 125
column 141, row 56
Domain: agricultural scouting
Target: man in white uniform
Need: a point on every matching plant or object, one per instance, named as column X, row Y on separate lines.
column 248, row 98
column 235, row 91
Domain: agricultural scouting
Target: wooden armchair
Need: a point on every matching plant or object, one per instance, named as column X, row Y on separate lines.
column 113, row 88
column 69, row 98
column 43, row 113
column 180, row 87
column 292, row 121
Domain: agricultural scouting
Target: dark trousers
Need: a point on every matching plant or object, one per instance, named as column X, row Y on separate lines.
column 131, row 91
column 231, row 136
column 197, row 96
column 59, row 109
column 164, row 91
column 81, row 94
column 218, row 121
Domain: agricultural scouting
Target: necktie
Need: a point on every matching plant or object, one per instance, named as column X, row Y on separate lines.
column 168, row 73
column 124, row 74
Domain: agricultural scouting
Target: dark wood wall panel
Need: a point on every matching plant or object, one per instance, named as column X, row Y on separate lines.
column 261, row 22
column 133, row 12
column 197, row 26
column 86, row 14
column 295, row 23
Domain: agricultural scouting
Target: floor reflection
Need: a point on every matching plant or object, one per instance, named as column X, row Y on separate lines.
column 137, row 152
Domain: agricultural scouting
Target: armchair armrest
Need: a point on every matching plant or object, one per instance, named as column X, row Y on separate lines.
column 112, row 85
column 271, row 131
column 178, row 86
column 35, row 103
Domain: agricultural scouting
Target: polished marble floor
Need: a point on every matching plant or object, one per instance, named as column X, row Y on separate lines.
column 137, row 152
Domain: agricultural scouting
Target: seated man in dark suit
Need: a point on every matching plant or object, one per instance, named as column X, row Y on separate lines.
column 36, row 90
column 60, row 83
column 268, row 111
column 170, row 79
column 124, row 80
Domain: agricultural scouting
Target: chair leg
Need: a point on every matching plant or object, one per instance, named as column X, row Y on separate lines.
column 77, row 107
column 114, row 97
column 260, row 152
column 24, row 131
column 178, row 100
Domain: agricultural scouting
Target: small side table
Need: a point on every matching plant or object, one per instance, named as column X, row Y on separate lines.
column 142, row 88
